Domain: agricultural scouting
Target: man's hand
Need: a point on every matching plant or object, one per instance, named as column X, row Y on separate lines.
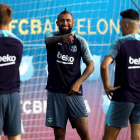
column 87, row 72
column 109, row 89
column 105, row 77
column 51, row 41
column 68, row 38
column 74, row 88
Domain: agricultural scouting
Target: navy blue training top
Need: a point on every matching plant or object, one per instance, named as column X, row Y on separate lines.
column 11, row 50
column 64, row 63
column 126, row 53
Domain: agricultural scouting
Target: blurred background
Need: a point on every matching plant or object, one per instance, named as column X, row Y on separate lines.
column 95, row 20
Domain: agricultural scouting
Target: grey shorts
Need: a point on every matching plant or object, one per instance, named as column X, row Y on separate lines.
column 120, row 112
column 10, row 114
column 61, row 106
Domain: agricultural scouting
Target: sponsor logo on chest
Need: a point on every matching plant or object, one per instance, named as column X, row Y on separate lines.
column 65, row 59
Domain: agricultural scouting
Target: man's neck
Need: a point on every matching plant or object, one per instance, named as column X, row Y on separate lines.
column 135, row 31
column 3, row 27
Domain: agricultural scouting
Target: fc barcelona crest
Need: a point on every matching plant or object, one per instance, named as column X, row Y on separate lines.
column 74, row 48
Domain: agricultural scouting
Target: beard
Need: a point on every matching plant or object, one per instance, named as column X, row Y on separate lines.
column 63, row 31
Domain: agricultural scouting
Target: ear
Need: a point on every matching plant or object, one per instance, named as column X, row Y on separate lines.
column 73, row 22
column 57, row 22
column 10, row 20
column 126, row 25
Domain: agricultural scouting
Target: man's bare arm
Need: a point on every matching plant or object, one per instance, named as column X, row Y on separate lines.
column 105, row 71
column 52, row 40
column 87, row 72
column 105, row 76
column 55, row 39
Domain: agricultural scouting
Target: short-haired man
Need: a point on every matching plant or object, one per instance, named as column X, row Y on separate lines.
column 11, row 49
column 65, row 100
column 125, row 102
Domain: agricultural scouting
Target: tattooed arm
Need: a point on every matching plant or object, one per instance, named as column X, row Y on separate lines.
column 87, row 72
column 55, row 39
column 52, row 40
column 88, row 60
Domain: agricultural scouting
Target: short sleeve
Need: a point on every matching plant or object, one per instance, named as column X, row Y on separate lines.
column 86, row 55
column 113, row 49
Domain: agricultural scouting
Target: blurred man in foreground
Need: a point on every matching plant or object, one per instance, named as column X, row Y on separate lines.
column 11, row 49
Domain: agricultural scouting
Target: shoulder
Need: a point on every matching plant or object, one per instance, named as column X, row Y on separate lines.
column 115, row 42
column 9, row 34
column 81, row 39
column 129, row 37
column 119, row 41
column 50, row 34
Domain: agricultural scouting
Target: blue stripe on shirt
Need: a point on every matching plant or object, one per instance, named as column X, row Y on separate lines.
column 6, row 33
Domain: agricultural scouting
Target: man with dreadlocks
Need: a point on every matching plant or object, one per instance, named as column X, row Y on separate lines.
column 64, row 85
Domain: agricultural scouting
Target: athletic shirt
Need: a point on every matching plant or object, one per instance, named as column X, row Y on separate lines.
column 64, row 63
column 11, row 49
column 126, row 53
